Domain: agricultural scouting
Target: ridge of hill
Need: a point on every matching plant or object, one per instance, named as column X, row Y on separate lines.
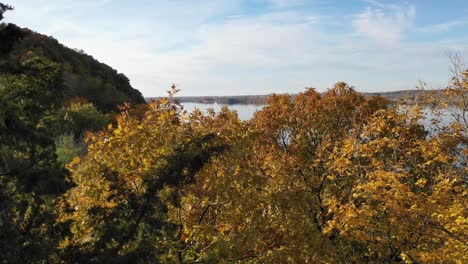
column 84, row 77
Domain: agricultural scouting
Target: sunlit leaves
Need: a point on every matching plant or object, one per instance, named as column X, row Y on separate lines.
column 312, row 178
column 128, row 181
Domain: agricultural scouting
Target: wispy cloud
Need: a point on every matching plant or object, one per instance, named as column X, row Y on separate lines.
column 381, row 5
column 214, row 47
column 443, row 27
column 386, row 24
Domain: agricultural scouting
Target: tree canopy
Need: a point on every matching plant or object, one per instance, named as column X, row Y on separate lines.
column 312, row 178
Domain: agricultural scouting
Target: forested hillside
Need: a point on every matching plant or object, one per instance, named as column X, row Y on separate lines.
column 50, row 97
column 84, row 77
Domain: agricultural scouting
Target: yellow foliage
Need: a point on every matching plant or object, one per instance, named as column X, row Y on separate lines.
column 333, row 178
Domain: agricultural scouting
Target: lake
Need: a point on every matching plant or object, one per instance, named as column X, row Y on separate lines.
column 244, row 111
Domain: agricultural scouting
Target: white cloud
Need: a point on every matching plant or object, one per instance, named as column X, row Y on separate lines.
column 211, row 47
column 385, row 25
column 258, row 55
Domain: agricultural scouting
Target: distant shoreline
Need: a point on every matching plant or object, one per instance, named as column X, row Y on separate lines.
column 393, row 96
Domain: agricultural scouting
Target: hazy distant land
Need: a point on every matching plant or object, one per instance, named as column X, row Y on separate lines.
column 410, row 95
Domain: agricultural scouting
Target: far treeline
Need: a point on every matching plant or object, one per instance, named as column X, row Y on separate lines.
column 336, row 177
column 407, row 96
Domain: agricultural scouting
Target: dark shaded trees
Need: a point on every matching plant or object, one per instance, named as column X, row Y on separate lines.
column 30, row 176
column 4, row 8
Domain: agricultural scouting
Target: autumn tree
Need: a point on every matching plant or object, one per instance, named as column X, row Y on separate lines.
column 402, row 182
column 401, row 195
column 264, row 199
column 126, row 183
column 222, row 211
column 455, row 106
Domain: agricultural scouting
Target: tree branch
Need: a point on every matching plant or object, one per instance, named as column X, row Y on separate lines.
column 204, row 213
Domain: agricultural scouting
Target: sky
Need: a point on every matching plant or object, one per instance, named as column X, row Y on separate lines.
column 242, row 47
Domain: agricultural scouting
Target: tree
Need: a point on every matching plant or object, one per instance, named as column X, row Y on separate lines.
column 4, row 8
column 79, row 118
column 331, row 178
column 402, row 195
column 126, row 183
column 30, row 176
column 263, row 200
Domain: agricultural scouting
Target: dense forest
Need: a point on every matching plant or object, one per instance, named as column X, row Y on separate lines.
column 83, row 77
column 87, row 175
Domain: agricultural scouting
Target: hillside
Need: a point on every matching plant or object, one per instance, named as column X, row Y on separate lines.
column 84, row 76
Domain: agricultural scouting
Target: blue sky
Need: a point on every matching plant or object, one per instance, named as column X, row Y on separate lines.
column 233, row 47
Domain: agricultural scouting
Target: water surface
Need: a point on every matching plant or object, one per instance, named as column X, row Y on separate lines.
column 244, row 111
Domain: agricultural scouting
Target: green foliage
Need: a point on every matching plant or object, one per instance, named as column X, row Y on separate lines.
column 38, row 135
column 26, row 100
column 67, row 148
column 78, row 118
column 83, row 76
column 30, row 176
